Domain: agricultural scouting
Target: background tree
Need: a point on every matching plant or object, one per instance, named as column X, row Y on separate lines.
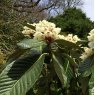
column 15, row 13
column 11, row 24
column 10, row 27
column 74, row 21
column 48, row 6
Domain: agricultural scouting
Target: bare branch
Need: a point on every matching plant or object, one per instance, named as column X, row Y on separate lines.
column 28, row 6
column 46, row 8
column 38, row 1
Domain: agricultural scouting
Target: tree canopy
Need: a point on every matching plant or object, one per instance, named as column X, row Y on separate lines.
column 74, row 21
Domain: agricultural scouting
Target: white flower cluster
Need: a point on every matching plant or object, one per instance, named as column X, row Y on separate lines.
column 47, row 31
column 91, row 39
column 88, row 51
column 44, row 30
column 70, row 37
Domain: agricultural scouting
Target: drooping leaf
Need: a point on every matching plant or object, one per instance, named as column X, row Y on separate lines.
column 30, row 43
column 85, row 66
column 68, row 63
column 59, row 71
column 20, row 75
column 86, row 70
column 68, row 70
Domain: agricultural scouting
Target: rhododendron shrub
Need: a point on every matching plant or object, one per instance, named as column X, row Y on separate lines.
column 48, row 63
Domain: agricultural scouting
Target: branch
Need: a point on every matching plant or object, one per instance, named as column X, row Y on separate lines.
column 38, row 1
column 46, row 8
column 27, row 4
column 77, row 3
column 54, row 9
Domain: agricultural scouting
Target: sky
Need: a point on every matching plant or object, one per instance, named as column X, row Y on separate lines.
column 88, row 8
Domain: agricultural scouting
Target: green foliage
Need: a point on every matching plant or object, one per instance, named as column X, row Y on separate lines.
column 66, row 44
column 16, row 78
column 40, row 68
column 85, row 68
column 30, row 43
column 60, row 71
column 74, row 21
column 10, row 27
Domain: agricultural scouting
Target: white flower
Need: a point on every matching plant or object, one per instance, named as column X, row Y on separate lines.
column 46, row 23
column 72, row 38
column 75, row 39
column 83, row 56
column 87, row 52
column 69, row 38
column 46, row 30
column 56, row 30
column 91, row 44
column 61, row 37
column 27, row 31
column 38, row 36
column 91, row 32
column 91, row 39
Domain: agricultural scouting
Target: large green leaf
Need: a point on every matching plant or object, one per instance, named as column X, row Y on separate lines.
column 19, row 52
column 66, row 44
column 59, row 71
column 68, row 70
column 86, row 66
column 86, row 70
column 30, row 43
column 20, row 75
column 68, row 63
